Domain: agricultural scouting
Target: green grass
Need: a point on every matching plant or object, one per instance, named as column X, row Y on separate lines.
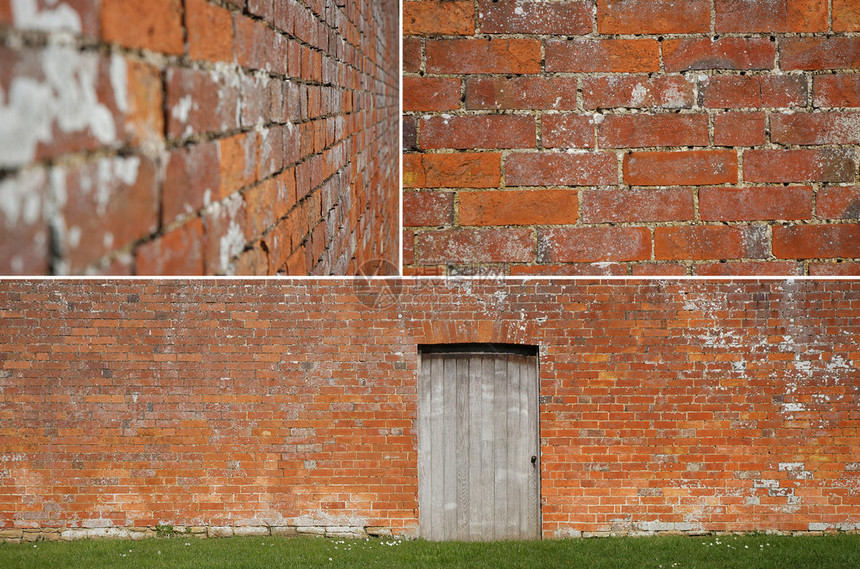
column 675, row 552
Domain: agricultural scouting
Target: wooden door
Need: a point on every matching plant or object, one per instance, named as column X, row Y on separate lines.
column 478, row 446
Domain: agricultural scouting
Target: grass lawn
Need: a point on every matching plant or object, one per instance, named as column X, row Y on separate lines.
column 760, row 551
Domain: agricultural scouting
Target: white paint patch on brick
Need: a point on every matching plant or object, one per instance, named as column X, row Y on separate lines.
column 182, row 109
column 119, row 81
column 20, row 197
column 27, row 15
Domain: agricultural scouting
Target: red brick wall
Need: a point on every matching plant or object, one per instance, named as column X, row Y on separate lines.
column 197, row 136
column 692, row 406
column 641, row 137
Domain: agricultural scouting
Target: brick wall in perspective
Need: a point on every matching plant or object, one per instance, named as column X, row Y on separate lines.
column 639, row 137
column 664, row 405
column 197, row 136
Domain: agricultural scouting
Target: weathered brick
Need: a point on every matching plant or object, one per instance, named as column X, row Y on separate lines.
column 238, row 163
column 771, row 16
column 816, row 241
column 430, row 93
column 576, row 169
column 24, row 232
column 800, row 165
column 509, row 245
column 433, row 17
column 846, row 16
column 557, row 93
column 602, row 55
column 653, row 16
column 616, row 206
column 692, row 168
column 226, row 236
column 483, row 56
column 836, row 90
column 659, row 269
column 411, row 55
column 534, row 17
column 820, row 53
column 513, row 207
column 210, row 31
column 427, row 208
column 410, row 133
column 846, row 269
column 815, row 128
column 192, row 180
column 200, row 102
column 733, row 128
column 485, row 131
column 156, row 25
column 567, row 131
column 839, row 202
column 760, row 203
column 572, row 270
column 636, row 131
column 408, row 240
column 178, row 252
column 752, row 91
column 466, row 170
column 593, row 244
column 725, row 53
column 710, row 242
column 748, row 268
column 637, row 92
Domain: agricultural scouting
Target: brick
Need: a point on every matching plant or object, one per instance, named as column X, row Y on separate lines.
column 637, row 92
column 534, row 17
column 430, row 93
column 752, row 91
column 423, row 271
column 725, row 53
column 838, row 269
column 577, row 169
column 567, row 131
column 771, row 16
column 509, row 245
column 593, row 244
column 444, row 18
column 410, row 133
column 513, row 207
column 411, row 55
column 238, row 163
column 192, row 179
column 846, row 16
column 800, row 165
column 815, row 128
column 466, row 170
column 636, row 131
column 748, row 268
column 733, row 128
column 820, row 53
column 210, row 31
column 816, row 241
column 268, row 202
column 428, row 208
column 483, row 56
column 617, row 206
column 486, row 131
column 408, row 240
column 123, row 210
column 178, row 252
column 602, row 55
column 144, row 116
column 659, row 269
column 24, row 232
column 156, row 25
column 573, row 270
column 710, row 242
column 842, row 202
column 529, row 93
column 759, row 203
column 226, row 235
column 200, row 102
column 653, row 16
column 836, row 90
column 684, row 168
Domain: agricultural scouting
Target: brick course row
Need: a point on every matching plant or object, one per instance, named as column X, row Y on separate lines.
column 670, row 126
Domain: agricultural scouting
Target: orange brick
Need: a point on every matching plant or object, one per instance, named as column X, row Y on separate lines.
column 602, row 55
column 430, row 93
column 155, row 25
column 800, row 165
column 710, row 242
column 846, row 16
column 530, row 17
column 444, row 18
column 652, row 17
column 614, row 206
column 816, row 241
column 465, row 170
column 552, row 169
column 472, row 132
column 210, row 31
column 748, row 204
column 454, row 246
column 631, row 131
column 179, row 252
column 774, row 16
column 593, row 244
column 529, row 93
column 694, row 168
column 816, row 53
column 427, row 208
column 483, row 56
column 726, row 53
column 512, row 207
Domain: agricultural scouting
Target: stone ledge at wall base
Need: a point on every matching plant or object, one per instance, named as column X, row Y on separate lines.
column 19, row 535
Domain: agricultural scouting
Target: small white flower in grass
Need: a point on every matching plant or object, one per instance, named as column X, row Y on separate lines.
column 746, row 547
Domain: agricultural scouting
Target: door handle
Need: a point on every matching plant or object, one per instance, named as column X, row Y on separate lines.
column 534, row 459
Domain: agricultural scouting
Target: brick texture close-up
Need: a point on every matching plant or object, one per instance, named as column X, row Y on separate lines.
column 191, row 137
column 631, row 137
column 297, row 407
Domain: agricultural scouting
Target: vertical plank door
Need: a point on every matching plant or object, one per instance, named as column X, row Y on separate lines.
column 478, row 446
